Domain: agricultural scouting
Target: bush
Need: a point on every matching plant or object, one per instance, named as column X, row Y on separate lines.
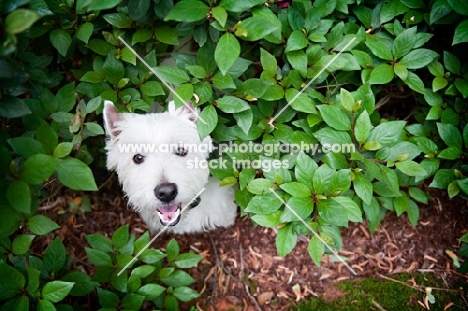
column 385, row 86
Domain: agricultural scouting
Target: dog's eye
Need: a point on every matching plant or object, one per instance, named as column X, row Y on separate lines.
column 181, row 152
column 138, row 158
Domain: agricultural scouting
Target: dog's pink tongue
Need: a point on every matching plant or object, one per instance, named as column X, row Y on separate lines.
column 169, row 213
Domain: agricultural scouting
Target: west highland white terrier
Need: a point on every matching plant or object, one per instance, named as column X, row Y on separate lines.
column 160, row 162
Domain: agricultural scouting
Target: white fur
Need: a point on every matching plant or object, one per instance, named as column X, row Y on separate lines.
column 216, row 208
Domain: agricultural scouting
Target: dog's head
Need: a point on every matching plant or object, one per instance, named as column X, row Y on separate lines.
column 159, row 159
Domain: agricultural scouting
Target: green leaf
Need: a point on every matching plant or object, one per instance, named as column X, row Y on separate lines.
column 151, row 291
column 413, row 212
column 418, row 58
column 15, row 282
column 411, row 168
column 316, row 249
column 442, row 178
column 268, row 62
column 167, row 35
column 296, row 41
column 55, row 291
column 223, row 81
column 220, row 15
column 113, row 69
column 197, row 71
column 20, row 20
column 298, row 60
column 185, row 293
column 61, row 40
column 37, row 168
column 188, row 11
column 102, row 5
column 335, row 117
column 379, row 49
column 244, row 120
column 76, row 175
column 84, row 32
column 119, row 20
column 259, row 27
column 13, row 107
column 231, row 104
column 401, row 71
column 268, row 220
column 400, row 204
column 33, row 280
column 26, row 146
column 285, row 240
column 305, row 167
column 362, row 127
column 21, row 244
column 439, row 83
column 450, row 135
column 363, row 187
column 210, row 116
column 418, row 194
column 171, row 74
column 187, row 260
column 302, row 206
column 332, row 213
column 260, row 185
column 152, row 88
column 226, row 52
column 452, row 63
column 296, row 189
column 382, row 74
column 55, row 256
column 347, row 100
column 462, row 86
column 415, row 83
column 331, row 137
column 120, row 237
column 404, row 42
column 372, row 212
column 439, row 10
column 82, row 283
column 108, row 299
column 352, row 209
column 299, row 101
column 263, row 204
column 45, row 305
column 239, row 6
column 386, row 133
column 450, row 153
column 177, row 279
column 459, row 6
column 172, row 250
column 461, row 33
column 143, row 271
column 98, row 257
column 18, row 195
column 41, row 225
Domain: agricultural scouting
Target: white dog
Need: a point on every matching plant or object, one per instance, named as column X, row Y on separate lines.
column 161, row 164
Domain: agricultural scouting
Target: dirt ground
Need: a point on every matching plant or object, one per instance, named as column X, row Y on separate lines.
column 252, row 276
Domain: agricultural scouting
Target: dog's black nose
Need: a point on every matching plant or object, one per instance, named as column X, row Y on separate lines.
column 166, row 192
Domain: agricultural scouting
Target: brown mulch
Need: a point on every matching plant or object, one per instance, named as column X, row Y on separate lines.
column 249, row 274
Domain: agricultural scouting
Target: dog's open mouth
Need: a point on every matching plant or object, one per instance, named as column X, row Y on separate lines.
column 169, row 214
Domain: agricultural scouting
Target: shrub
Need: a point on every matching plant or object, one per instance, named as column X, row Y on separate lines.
column 386, row 79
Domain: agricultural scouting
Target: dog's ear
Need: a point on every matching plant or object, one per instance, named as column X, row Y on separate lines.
column 186, row 111
column 111, row 117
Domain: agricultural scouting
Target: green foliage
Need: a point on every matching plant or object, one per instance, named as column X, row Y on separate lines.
column 333, row 152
